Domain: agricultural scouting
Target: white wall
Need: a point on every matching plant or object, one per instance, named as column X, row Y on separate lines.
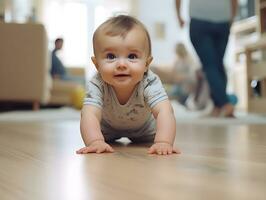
column 151, row 12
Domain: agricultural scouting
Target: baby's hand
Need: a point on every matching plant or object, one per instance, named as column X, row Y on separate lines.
column 162, row 148
column 98, row 146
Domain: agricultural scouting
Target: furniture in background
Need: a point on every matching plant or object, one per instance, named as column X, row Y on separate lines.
column 25, row 69
column 256, row 76
column 250, row 69
column 24, row 64
column 243, row 32
column 66, row 92
column 261, row 13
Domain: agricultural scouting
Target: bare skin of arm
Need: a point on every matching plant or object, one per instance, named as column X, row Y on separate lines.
column 165, row 129
column 234, row 7
column 94, row 140
column 180, row 19
column 91, row 131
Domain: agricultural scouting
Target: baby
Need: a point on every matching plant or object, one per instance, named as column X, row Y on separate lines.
column 125, row 98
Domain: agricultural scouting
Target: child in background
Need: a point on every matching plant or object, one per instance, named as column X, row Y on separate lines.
column 187, row 81
column 184, row 74
column 191, row 87
column 125, row 99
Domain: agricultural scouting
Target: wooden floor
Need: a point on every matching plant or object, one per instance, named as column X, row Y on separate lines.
column 38, row 161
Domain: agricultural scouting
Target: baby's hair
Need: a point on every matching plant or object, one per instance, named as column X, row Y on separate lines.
column 119, row 26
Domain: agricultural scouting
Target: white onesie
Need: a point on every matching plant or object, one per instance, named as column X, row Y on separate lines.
column 133, row 119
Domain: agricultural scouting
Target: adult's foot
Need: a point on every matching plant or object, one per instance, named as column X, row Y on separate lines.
column 227, row 111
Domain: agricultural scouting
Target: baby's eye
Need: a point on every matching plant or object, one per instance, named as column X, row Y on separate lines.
column 132, row 56
column 110, row 56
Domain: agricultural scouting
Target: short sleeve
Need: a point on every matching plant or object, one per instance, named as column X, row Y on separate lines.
column 94, row 92
column 154, row 91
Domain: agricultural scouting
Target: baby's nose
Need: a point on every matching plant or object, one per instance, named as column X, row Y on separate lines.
column 122, row 62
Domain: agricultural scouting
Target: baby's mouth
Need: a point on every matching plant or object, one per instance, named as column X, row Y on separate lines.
column 121, row 75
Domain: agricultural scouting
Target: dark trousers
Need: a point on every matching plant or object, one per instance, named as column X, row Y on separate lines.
column 209, row 40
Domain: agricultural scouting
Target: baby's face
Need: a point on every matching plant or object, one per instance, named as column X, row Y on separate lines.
column 122, row 61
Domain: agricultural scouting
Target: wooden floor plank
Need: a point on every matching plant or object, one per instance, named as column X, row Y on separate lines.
column 38, row 161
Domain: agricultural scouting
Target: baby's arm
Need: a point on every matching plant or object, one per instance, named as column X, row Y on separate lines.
column 165, row 129
column 91, row 131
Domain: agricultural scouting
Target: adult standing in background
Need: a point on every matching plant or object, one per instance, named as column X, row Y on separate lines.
column 209, row 32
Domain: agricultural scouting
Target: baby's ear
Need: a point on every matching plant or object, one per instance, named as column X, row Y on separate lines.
column 93, row 59
column 149, row 60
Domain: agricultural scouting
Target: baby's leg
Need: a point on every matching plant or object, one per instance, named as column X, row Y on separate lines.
column 109, row 134
column 110, row 140
column 143, row 139
column 145, row 134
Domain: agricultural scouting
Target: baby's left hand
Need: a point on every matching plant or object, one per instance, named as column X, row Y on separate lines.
column 163, row 148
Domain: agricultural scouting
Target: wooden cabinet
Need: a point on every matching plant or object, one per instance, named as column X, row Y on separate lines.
column 261, row 13
column 250, row 51
column 256, row 76
column 256, row 64
column 243, row 33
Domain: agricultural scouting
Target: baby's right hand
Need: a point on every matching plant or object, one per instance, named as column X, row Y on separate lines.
column 98, row 146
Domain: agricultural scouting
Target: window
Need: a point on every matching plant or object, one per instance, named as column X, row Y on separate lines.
column 69, row 20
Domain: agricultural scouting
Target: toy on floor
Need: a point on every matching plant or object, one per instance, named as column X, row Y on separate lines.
column 78, row 96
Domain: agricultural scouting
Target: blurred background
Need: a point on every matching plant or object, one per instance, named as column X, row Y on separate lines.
column 76, row 20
